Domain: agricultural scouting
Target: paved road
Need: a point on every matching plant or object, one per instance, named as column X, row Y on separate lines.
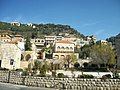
column 7, row 86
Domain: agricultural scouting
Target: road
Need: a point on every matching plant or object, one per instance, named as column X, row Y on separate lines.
column 8, row 86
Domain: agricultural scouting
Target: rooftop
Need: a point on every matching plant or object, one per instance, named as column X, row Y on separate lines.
column 64, row 41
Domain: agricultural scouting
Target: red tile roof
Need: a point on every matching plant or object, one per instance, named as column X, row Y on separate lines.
column 64, row 41
column 14, row 41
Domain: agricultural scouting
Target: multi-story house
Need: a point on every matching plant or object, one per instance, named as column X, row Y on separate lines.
column 5, row 37
column 63, row 48
column 50, row 40
column 17, row 37
column 38, row 46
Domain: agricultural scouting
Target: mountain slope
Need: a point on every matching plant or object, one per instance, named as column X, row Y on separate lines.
column 39, row 29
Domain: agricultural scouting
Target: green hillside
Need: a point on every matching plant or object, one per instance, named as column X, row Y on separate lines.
column 39, row 30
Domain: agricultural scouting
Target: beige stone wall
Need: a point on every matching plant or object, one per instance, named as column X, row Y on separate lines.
column 23, row 64
column 8, row 52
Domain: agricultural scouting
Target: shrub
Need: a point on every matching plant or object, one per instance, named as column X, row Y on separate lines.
column 85, row 76
column 5, row 69
column 107, row 76
column 25, row 73
column 19, row 69
column 43, row 72
column 117, row 76
column 60, row 75
column 53, row 74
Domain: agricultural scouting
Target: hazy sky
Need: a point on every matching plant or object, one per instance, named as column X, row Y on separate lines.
column 89, row 17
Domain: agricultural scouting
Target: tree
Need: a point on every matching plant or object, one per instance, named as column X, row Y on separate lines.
column 115, row 40
column 102, row 54
column 85, row 51
column 34, row 35
column 37, row 66
column 70, row 59
column 30, row 68
column 27, row 44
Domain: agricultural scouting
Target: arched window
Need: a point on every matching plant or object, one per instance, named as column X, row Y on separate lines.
column 62, row 57
column 42, row 41
column 62, row 47
column 56, row 57
column 71, row 48
column 58, row 47
column 38, row 40
column 67, row 48
column 27, row 57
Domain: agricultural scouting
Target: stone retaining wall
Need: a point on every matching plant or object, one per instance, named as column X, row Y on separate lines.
column 4, row 76
column 60, row 83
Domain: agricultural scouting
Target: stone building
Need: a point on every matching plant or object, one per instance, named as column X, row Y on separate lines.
column 38, row 45
column 63, row 48
column 50, row 40
column 5, row 37
column 103, row 42
column 10, row 56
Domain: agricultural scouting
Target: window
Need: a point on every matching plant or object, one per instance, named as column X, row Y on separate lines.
column 42, row 41
column 71, row 48
column 22, row 57
column 27, row 57
column 58, row 47
column 38, row 40
column 81, row 42
column 11, row 61
column 62, row 47
column 67, row 48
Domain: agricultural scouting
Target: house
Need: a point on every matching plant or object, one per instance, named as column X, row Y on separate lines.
column 91, row 39
column 59, row 38
column 15, row 23
column 80, row 43
column 63, row 48
column 50, row 40
column 30, row 24
column 5, row 37
column 38, row 45
column 17, row 37
column 10, row 56
column 102, row 42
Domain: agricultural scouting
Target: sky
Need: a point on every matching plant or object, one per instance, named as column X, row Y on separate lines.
column 90, row 17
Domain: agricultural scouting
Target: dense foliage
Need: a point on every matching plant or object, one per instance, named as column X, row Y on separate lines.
column 116, row 43
column 85, row 76
column 39, row 30
column 102, row 54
